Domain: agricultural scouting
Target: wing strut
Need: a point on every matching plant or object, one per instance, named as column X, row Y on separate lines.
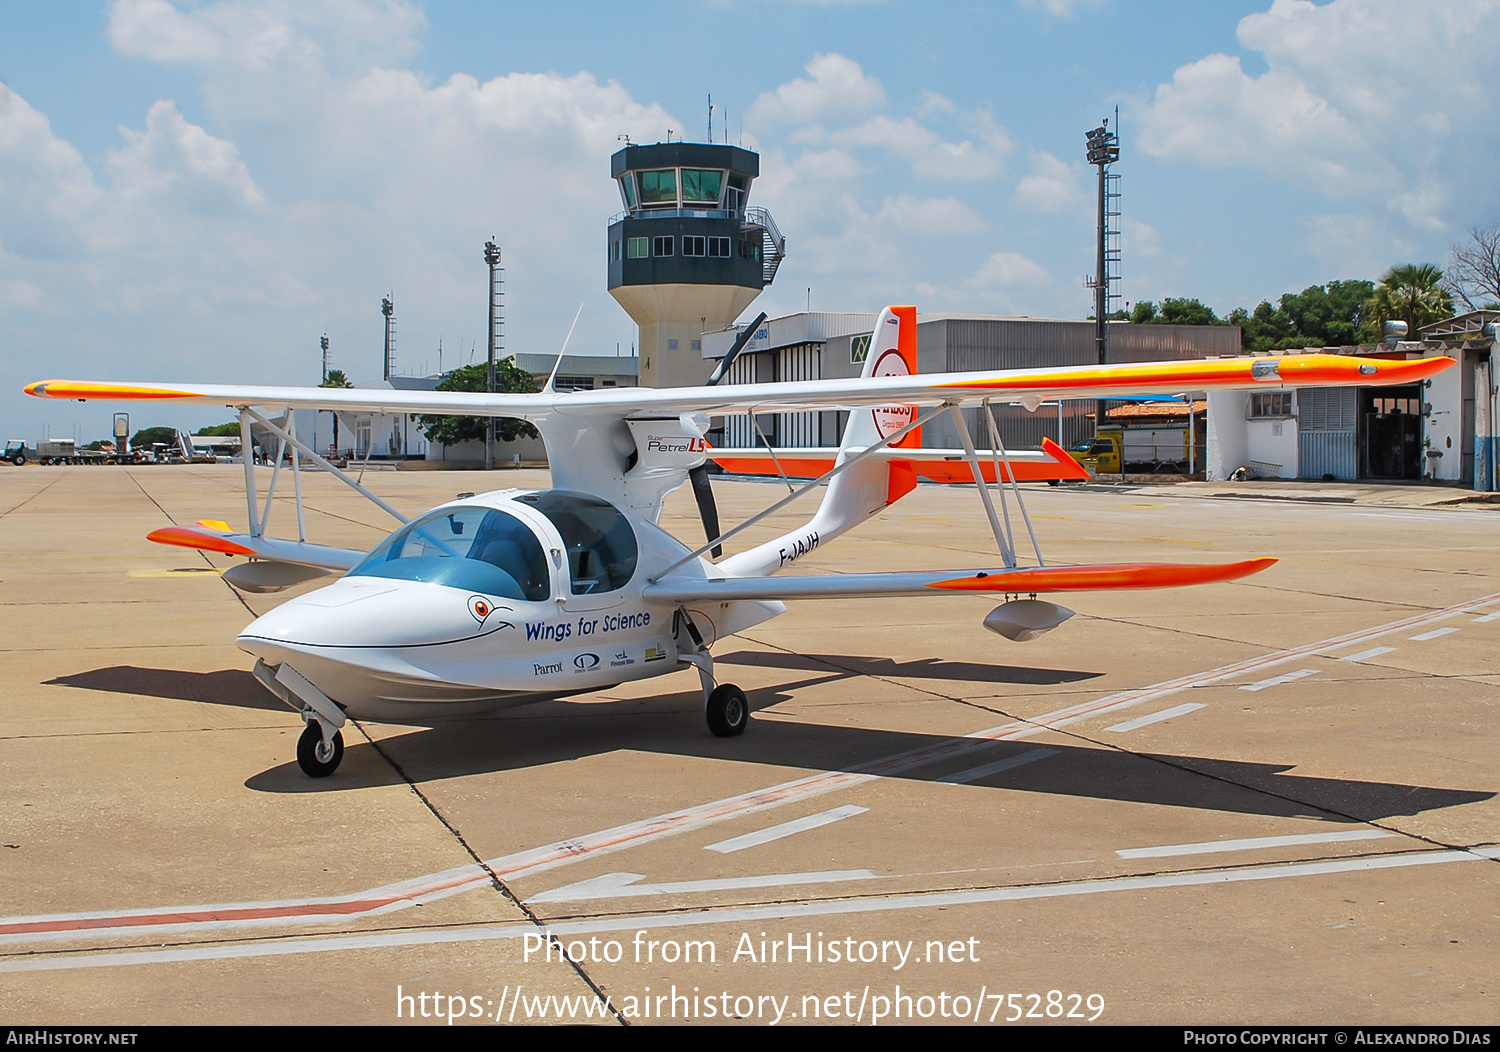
column 997, row 454
column 297, row 444
column 1002, row 534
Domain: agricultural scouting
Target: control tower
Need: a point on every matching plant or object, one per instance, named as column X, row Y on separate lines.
column 687, row 255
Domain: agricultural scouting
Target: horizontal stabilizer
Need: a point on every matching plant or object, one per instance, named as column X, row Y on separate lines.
column 1050, row 463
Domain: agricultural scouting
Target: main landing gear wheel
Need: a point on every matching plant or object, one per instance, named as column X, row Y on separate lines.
column 728, row 711
column 317, row 759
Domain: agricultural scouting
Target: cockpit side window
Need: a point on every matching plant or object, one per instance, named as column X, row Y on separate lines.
column 477, row 549
column 601, row 546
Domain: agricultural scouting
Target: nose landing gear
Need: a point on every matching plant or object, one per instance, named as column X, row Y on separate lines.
column 317, row 757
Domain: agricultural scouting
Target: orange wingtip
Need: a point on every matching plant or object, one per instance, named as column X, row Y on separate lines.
column 215, row 524
column 83, row 389
column 187, row 537
column 1100, row 578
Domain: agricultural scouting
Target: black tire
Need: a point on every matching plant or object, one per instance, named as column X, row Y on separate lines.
column 311, row 744
column 19, row 460
column 728, row 711
column 1054, row 482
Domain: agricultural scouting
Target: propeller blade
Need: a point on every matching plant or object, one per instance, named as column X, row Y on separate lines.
column 703, row 492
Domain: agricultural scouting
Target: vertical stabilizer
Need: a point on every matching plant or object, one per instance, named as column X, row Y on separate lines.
column 871, row 485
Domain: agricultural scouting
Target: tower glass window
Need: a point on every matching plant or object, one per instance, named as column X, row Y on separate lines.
column 659, row 188
column 661, row 246
column 701, row 185
column 718, row 247
column 638, row 248
column 627, row 188
column 694, row 245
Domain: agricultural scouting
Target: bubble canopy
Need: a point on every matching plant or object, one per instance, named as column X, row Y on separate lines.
column 475, row 549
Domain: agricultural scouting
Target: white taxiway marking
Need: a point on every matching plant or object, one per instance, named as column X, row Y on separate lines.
column 743, row 915
column 1433, row 634
column 1212, row 847
column 1157, row 717
column 1487, row 618
column 623, row 885
column 1365, row 655
column 1275, row 680
column 798, row 825
column 433, row 886
column 973, row 774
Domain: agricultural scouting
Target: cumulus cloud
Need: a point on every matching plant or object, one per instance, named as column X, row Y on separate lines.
column 1061, row 8
column 926, row 151
column 1005, row 270
column 1361, row 98
column 1053, row 185
column 183, row 164
column 838, row 88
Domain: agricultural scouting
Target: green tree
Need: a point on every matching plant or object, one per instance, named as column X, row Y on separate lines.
column 229, row 430
column 1413, row 293
column 149, row 436
column 450, row 430
column 336, row 378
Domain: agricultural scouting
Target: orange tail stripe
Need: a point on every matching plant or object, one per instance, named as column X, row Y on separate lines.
column 1095, row 578
column 187, row 537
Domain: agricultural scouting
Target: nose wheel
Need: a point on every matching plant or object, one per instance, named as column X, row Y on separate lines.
column 728, row 711
column 316, row 757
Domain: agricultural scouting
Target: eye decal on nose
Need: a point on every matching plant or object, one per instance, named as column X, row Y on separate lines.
column 480, row 607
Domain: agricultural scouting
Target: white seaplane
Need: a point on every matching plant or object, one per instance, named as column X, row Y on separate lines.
column 518, row 596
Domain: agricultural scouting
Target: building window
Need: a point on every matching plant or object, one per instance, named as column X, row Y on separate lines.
column 697, row 346
column 718, row 247
column 573, row 383
column 661, row 246
column 694, row 245
column 671, row 345
column 638, row 248
column 701, row 185
column 659, row 188
column 1271, row 404
column 614, row 251
column 627, row 189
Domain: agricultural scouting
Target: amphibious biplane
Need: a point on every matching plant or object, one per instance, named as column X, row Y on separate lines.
column 516, row 596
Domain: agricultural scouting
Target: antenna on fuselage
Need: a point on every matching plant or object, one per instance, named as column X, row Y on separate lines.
column 558, row 364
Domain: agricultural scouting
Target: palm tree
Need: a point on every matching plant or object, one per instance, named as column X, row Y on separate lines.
column 1413, row 293
column 336, row 378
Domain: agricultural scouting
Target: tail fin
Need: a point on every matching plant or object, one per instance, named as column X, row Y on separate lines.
column 871, row 485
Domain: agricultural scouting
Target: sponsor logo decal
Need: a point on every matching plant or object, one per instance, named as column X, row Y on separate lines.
column 892, row 418
column 656, row 653
column 586, row 662
column 622, row 658
column 552, row 669
column 799, row 547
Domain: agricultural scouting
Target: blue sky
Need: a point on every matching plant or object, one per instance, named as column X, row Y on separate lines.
column 199, row 191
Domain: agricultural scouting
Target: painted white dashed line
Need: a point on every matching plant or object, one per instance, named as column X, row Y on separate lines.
column 1156, row 717
column 1213, row 847
column 623, row 885
column 1277, row 680
column 1433, row 634
column 1487, row 618
column 745, row 914
column 1365, row 655
column 786, row 829
column 973, row 774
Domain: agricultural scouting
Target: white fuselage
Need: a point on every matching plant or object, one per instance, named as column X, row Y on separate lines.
column 389, row 648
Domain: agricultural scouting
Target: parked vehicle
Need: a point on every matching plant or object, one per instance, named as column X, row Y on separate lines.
column 1160, row 450
column 18, row 452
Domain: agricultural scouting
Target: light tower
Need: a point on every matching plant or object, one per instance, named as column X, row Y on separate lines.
column 687, row 255
column 1104, row 150
column 492, row 258
column 388, row 308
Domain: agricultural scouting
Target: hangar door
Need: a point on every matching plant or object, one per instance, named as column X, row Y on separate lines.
column 1326, row 418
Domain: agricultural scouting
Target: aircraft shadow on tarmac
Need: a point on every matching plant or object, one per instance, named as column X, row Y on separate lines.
column 670, row 724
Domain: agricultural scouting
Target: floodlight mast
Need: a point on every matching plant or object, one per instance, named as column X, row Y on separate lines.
column 492, row 258
column 1103, row 149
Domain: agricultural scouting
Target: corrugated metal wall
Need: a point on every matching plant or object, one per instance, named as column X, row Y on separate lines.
column 802, row 362
column 1326, row 420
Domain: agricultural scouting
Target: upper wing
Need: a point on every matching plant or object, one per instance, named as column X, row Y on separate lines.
column 928, row 389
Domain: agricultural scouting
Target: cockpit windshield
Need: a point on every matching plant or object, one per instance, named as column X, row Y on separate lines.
column 476, row 549
column 601, row 545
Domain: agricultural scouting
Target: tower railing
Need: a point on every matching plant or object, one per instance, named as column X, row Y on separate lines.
column 773, row 244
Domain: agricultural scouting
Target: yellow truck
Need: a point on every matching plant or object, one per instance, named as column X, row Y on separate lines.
column 1140, row 450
